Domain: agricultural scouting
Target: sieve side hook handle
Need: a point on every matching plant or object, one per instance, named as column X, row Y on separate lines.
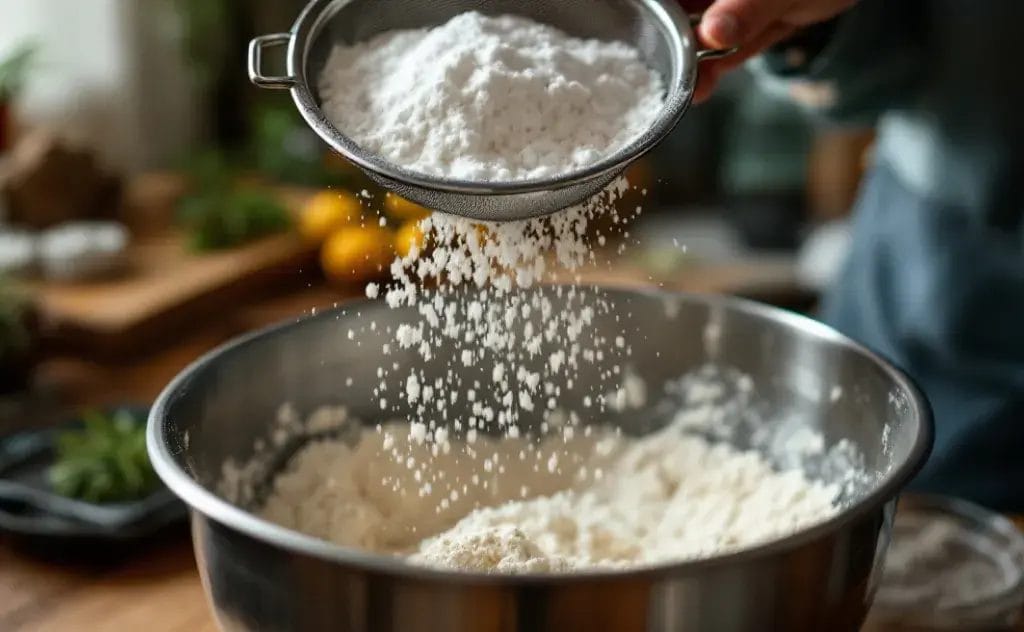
column 706, row 54
column 256, row 75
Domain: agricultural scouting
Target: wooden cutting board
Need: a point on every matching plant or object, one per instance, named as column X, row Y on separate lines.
column 164, row 286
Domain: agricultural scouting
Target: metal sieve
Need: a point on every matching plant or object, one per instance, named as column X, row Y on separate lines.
column 659, row 29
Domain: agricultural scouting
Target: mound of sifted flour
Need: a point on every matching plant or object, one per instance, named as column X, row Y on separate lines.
column 490, row 98
column 663, row 498
column 591, row 500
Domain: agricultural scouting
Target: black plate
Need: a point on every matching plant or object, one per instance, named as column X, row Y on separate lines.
column 30, row 509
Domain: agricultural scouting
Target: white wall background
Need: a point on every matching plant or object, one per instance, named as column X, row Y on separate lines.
column 109, row 73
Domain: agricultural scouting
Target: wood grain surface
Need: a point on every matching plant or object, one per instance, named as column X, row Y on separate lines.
column 164, row 284
column 156, row 590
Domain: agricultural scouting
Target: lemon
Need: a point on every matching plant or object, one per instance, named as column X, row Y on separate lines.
column 409, row 234
column 328, row 211
column 357, row 253
column 401, row 208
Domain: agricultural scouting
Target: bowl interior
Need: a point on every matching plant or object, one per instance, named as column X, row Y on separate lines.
column 804, row 376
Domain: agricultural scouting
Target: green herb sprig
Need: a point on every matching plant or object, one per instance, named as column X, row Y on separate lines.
column 221, row 213
column 105, row 461
column 14, row 70
column 14, row 333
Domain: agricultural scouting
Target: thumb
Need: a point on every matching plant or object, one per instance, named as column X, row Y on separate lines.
column 729, row 23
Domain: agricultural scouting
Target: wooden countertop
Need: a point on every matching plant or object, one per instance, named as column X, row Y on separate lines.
column 157, row 590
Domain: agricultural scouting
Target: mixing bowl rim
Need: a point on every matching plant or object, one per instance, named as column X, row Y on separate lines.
column 679, row 95
column 213, row 507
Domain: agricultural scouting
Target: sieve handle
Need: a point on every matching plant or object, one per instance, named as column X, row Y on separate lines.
column 706, row 54
column 256, row 75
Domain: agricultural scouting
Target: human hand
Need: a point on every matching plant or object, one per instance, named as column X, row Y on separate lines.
column 753, row 26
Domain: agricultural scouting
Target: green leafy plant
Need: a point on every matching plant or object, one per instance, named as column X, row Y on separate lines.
column 222, row 213
column 15, row 336
column 14, row 71
column 282, row 147
column 105, row 461
column 275, row 142
column 225, row 219
column 205, row 29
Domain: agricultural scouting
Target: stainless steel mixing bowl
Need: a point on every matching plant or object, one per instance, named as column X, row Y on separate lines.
column 260, row 576
column 659, row 29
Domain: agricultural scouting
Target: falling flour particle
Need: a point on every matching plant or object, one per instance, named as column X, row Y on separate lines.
column 412, row 388
column 417, row 432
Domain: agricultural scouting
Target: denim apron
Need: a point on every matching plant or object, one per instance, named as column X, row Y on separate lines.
column 935, row 279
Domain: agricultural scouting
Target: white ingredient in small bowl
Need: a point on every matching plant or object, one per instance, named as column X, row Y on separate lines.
column 17, row 252
column 81, row 250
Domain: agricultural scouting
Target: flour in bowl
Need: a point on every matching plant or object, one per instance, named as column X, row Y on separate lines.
column 582, row 501
column 487, row 98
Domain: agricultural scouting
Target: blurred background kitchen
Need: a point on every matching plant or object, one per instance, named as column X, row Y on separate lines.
column 153, row 204
column 141, row 115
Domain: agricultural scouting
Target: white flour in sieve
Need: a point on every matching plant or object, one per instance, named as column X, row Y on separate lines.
column 490, row 98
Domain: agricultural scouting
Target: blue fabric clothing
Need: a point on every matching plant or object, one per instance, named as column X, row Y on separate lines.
column 935, row 279
column 938, row 296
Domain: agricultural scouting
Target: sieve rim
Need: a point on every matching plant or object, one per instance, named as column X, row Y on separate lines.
column 674, row 26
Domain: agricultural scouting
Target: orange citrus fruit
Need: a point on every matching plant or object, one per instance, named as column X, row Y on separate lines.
column 357, row 253
column 328, row 211
column 409, row 234
column 400, row 208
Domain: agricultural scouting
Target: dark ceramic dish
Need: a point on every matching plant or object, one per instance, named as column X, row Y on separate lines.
column 31, row 510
